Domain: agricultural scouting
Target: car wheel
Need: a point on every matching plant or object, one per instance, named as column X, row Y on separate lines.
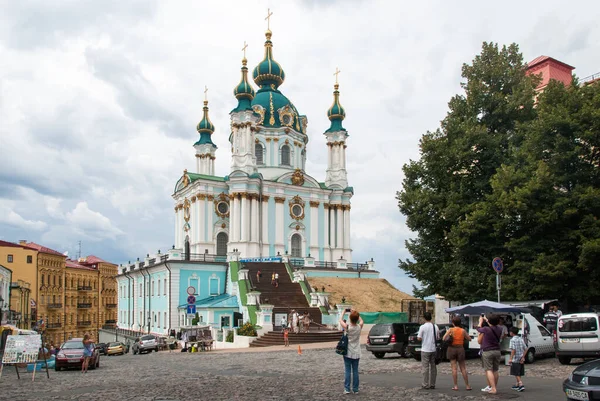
column 155, row 349
column 98, row 363
column 404, row 352
column 530, row 357
column 379, row 355
column 564, row 360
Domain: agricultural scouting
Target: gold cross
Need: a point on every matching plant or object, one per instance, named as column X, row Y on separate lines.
column 336, row 73
column 268, row 18
column 244, row 48
column 205, row 95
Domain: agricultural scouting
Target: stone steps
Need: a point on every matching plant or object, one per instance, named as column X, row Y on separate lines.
column 273, row 338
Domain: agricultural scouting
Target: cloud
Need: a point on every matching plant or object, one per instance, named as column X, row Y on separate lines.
column 10, row 217
column 93, row 224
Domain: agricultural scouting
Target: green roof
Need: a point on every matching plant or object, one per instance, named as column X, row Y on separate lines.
column 336, row 112
column 322, row 185
column 268, row 72
column 194, row 177
column 349, row 189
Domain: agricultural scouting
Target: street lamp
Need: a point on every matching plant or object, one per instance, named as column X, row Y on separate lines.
column 149, row 324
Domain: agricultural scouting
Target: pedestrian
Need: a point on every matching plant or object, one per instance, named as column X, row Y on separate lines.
column 88, row 349
column 428, row 335
column 283, row 323
column 306, row 322
column 276, row 280
column 518, row 350
column 295, row 321
column 273, row 279
column 502, row 325
column 352, row 357
column 286, row 337
column 490, row 347
column 557, row 311
column 456, row 352
column 258, row 276
column 551, row 318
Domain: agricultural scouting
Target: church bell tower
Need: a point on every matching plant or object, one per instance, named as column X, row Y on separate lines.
column 336, row 175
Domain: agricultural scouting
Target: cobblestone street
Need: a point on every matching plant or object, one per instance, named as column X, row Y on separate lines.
column 317, row 374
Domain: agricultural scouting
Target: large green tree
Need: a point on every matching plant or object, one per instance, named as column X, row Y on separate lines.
column 504, row 177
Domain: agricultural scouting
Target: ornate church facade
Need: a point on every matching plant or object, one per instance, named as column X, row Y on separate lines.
column 268, row 204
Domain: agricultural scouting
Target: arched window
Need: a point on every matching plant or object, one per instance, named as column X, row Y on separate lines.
column 259, row 153
column 296, row 246
column 303, row 154
column 285, row 155
column 222, row 240
column 187, row 247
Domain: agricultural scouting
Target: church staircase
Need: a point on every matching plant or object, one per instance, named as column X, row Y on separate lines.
column 287, row 296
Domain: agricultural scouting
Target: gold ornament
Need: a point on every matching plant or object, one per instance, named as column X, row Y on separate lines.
column 298, row 178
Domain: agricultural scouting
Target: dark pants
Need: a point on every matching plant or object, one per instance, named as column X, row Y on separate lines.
column 351, row 365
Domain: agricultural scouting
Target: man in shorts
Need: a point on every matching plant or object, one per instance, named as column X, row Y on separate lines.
column 490, row 347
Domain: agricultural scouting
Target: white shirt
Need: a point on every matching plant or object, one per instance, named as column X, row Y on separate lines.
column 427, row 337
column 276, row 276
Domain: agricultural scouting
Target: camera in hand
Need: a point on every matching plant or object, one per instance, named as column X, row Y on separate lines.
column 348, row 309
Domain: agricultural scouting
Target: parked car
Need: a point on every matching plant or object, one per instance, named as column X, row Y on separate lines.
column 102, row 348
column 70, row 355
column 583, row 383
column 577, row 336
column 414, row 345
column 116, row 348
column 145, row 343
column 390, row 338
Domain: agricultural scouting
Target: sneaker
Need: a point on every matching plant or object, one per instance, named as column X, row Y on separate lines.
column 487, row 389
column 346, row 391
column 355, row 392
column 521, row 388
column 515, row 387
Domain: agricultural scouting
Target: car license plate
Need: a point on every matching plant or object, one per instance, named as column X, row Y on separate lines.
column 570, row 340
column 417, row 349
column 578, row 395
column 378, row 340
column 74, row 360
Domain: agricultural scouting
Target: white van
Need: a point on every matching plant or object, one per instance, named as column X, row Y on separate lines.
column 577, row 336
column 538, row 338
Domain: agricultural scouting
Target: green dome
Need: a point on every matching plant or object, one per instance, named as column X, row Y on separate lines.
column 268, row 72
column 336, row 112
column 276, row 110
column 205, row 127
column 244, row 92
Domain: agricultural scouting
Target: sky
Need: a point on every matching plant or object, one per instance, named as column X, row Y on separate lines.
column 99, row 101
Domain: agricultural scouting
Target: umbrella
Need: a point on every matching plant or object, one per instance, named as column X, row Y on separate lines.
column 485, row 307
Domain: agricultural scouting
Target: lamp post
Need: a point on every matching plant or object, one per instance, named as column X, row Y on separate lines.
column 149, row 320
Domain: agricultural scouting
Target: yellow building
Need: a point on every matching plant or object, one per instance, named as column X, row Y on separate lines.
column 22, row 260
column 70, row 297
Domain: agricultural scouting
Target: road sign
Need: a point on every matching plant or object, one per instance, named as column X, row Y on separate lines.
column 191, row 299
column 191, row 310
column 498, row 265
column 191, row 290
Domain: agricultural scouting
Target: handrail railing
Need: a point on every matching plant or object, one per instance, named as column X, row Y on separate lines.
column 592, row 77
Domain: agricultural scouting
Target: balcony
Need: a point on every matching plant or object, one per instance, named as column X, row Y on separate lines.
column 110, row 321
column 54, row 306
column 84, row 288
column 84, row 306
column 111, row 306
column 84, row 323
column 54, row 325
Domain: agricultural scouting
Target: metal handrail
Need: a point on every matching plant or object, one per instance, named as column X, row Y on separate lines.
column 590, row 78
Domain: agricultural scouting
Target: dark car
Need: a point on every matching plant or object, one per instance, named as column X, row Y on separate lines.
column 414, row 345
column 70, row 355
column 584, row 383
column 102, row 348
column 390, row 338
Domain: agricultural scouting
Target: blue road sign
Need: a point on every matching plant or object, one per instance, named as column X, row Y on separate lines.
column 191, row 299
column 498, row 265
column 191, row 309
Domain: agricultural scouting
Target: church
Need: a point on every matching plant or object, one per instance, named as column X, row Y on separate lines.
column 268, row 205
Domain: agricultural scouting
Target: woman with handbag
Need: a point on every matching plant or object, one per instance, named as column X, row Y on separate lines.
column 455, row 338
column 352, row 356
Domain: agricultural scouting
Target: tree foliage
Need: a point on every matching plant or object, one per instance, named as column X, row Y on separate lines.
column 506, row 177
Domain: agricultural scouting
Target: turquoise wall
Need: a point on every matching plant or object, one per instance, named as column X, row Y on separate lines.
column 201, row 281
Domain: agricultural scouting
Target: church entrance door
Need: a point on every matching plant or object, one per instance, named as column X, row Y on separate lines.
column 296, row 246
column 222, row 240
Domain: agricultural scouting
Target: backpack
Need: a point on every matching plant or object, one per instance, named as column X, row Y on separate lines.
column 342, row 345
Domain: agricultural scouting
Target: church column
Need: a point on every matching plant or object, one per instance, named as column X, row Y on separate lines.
column 332, row 225
column 326, row 225
column 234, row 217
column 176, row 228
column 209, row 222
column 244, row 215
column 279, row 221
column 254, row 217
column 201, row 201
column 344, row 156
column 346, row 227
column 314, row 228
column 340, row 225
column 265, row 223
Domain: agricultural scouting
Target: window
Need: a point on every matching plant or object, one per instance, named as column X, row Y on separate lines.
column 303, row 154
column 222, row 240
column 42, row 275
column 194, row 282
column 285, row 155
column 296, row 246
column 158, row 324
column 214, row 286
column 140, row 293
column 152, row 287
column 165, row 287
column 158, row 288
column 258, row 152
column 140, row 321
column 29, row 259
column 165, row 320
column 9, row 258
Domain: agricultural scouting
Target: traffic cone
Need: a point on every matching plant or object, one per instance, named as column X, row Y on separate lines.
column 299, row 350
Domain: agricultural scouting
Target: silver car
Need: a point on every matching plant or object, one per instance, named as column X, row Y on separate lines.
column 145, row 343
column 577, row 336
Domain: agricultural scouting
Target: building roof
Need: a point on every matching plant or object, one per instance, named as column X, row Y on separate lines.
column 43, row 249
column 91, row 259
column 14, row 245
column 75, row 265
column 4, row 267
column 541, row 59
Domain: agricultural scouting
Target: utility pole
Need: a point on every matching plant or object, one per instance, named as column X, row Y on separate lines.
column 79, row 250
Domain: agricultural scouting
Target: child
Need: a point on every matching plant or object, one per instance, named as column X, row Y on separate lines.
column 517, row 358
column 286, row 335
